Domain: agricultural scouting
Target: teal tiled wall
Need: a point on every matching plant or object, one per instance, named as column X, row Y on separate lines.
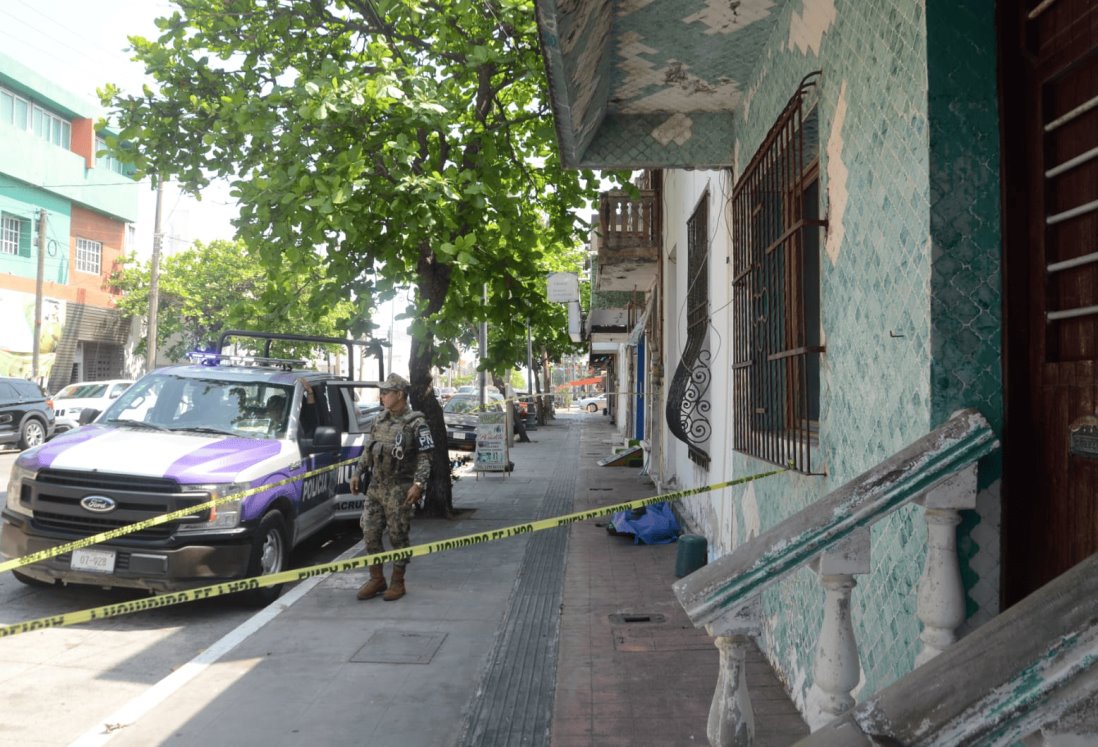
column 909, row 294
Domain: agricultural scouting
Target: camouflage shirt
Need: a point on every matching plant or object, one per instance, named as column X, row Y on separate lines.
column 398, row 449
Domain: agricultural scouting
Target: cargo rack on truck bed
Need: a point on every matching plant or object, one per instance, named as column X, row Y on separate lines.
column 373, row 347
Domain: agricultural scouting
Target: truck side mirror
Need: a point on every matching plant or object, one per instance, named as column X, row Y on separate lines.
column 88, row 415
column 326, row 439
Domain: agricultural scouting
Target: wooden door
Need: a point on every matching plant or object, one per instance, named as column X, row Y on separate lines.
column 1049, row 97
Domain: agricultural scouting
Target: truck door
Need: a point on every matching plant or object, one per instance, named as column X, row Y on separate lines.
column 315, row 509
column 357, row 410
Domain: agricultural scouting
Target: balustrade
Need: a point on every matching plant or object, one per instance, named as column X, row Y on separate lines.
column 938, row 471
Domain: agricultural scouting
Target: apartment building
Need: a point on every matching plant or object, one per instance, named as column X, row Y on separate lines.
column 60, row 201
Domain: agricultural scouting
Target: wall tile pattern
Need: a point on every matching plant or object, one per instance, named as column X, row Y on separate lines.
column 897, row 311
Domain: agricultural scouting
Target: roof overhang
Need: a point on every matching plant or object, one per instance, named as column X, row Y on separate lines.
column 650, row 84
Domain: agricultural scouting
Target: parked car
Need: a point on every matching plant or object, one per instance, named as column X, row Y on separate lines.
column 26, row 413
column 593, row 403
column 460, row 414
column 70, row 402
column 444, row 393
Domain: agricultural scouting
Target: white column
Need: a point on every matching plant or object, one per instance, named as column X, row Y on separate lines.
column 731, row 719
column 837, row 669
column 941, row 597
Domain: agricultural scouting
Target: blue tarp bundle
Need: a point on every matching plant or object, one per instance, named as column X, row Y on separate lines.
column 650, row 525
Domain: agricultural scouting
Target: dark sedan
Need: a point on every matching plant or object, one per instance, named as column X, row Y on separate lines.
column 460, row 414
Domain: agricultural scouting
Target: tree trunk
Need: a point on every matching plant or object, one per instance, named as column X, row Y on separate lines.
column 434, row 282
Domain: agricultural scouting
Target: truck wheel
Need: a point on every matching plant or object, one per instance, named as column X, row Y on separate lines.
column 32, row 433
column 270, row 554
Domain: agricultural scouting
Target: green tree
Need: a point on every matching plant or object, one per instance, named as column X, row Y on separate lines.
column 396, row 142
column 212, row 287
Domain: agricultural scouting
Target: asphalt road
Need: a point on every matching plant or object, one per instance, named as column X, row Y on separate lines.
column 62, row 682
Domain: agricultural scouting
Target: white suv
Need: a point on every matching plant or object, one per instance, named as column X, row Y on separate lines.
column 85, row 395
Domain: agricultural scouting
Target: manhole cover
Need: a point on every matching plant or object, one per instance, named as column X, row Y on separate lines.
column 399, row 647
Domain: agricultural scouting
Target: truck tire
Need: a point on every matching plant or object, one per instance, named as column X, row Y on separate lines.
column 270, row 554
column 32, row 433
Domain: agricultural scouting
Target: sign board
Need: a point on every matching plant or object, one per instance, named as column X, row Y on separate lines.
column 492, row 452
column 575, row 325
column 1083, row 437
column 562, row 287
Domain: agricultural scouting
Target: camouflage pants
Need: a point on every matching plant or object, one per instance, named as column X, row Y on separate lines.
column 386, row 508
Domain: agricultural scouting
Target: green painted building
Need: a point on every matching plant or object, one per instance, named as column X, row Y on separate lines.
column 61, row 198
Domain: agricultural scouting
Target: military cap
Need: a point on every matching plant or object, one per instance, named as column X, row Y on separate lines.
column 396, row 381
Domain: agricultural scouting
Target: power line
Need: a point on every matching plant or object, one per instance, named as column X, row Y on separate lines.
column 84, row 40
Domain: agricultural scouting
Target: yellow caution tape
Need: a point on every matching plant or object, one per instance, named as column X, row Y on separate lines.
column 95, row 539
column 300, row 574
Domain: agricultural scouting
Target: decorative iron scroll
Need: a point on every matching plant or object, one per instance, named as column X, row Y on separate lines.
column 688, row 406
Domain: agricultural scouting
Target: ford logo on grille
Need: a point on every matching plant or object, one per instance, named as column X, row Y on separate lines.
column 98, row 503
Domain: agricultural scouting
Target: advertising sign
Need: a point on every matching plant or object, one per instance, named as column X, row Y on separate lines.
column 562, row 287
column 492, row 453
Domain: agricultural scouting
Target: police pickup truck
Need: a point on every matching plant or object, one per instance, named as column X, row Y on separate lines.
column 179, row 437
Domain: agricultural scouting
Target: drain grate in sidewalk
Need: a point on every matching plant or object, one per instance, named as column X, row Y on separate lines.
column 399, row 647
column 621, row 618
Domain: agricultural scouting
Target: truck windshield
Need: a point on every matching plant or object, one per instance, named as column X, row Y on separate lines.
column 209, row 406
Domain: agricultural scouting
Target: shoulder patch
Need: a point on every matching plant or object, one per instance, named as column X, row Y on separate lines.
column 423, row 437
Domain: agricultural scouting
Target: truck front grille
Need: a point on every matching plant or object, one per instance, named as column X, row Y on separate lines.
column 56, row 497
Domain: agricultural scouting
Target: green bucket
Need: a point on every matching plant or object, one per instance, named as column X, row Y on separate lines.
column 693, row 549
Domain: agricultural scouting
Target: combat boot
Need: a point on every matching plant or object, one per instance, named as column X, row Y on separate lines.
column 375, row 585
column 396, row 588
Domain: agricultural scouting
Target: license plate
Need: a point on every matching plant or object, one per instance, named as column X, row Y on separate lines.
column 96, row 561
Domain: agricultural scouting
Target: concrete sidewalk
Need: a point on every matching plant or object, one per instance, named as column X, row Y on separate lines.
column 530, row 640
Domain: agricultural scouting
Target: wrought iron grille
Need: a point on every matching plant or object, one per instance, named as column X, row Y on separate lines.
column 776, row 290
column 688, row 403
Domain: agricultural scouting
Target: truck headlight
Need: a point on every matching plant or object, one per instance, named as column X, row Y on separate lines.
column 15, row 490
column 222, row 516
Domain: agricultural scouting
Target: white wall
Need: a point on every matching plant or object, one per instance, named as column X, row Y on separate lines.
column 707, row 513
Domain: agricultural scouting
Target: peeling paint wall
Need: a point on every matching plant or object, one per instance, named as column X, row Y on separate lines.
column 895, row 195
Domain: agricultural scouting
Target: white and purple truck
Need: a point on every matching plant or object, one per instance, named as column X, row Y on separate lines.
column 179, row 437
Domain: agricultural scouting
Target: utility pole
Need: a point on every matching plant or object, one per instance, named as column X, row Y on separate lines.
column 483, row 376
column 154, row 279
column 38, row 281
column 529, row 360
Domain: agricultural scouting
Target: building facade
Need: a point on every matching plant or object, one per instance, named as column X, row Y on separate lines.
column 871, row 216
column 58, row 199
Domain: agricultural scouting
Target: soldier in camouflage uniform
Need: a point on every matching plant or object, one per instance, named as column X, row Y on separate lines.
column 398, row 457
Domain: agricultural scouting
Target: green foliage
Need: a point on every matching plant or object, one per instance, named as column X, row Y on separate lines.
column 217, row 286
column 395, row 143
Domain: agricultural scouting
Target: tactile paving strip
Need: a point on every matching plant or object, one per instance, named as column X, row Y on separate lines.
column 515, row 703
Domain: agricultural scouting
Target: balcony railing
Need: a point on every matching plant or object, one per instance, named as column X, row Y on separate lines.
column 627, row 222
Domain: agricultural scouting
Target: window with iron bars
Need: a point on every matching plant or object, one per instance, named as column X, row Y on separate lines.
column 688, row 403
column 776, row 291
